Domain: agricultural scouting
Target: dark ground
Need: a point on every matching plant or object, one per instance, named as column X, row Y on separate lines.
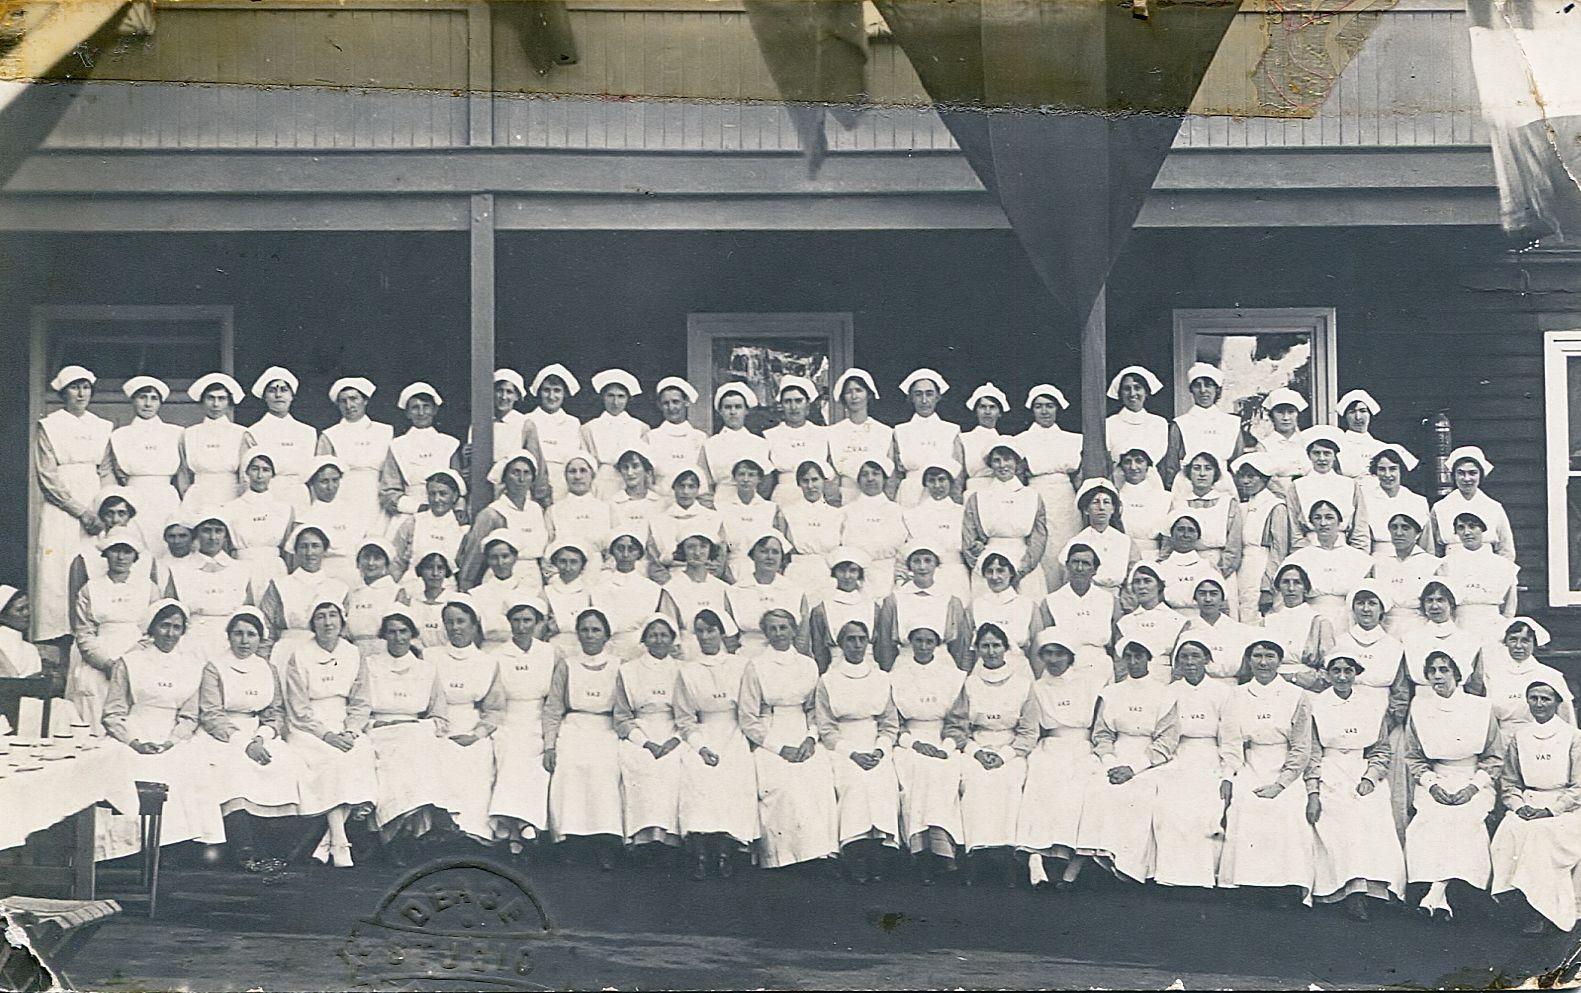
column 221, row 929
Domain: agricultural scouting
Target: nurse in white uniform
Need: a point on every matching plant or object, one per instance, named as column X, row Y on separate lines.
column 847, row 601
column 993, row 723
column 1062, row 766
column 514, row 475
column 857, row 725
column 875, row 524
column 938, row 519
column 344, row 522
column 106, row 621
column 362, row 444
column 1206, row 427
column 1358, row 447
column 1454, row 754
column 796, row 799
column 650, row 743
column 1509, row 666
column 614, row 431
column 211, row 450
column 437, row 526
column 406, row 705
column 814, row 527
column 1084, row 612
column 70, row 446
column 1135, row 733
column 1402, row 569
column 1007, row 518
column 1266, row 534
column 1099, row 504
column 1188, row 832
column 292, row 443
column 857, row 438
column 1201, row 492
column 415, row 455
column 988, row 404
column 922, row 603
column 924, row 682
column 1002, row 605
column 559, row 434
column 1286, row 444
column 261, row 519
column 1133, row 426
column 733, row 442
column 745, row 516
column 289, row 601
column 1349, row 799
column 764, row 588
column 676, row 445
column 719, row 781
column 519, row 802
column 1268, row 728
column 1334, row 567
column 927, row 439
column 1486, row 580
column 581, row 748
column 210, row 584
column 1384, row 495
column 145, row 455
column 1537, row 849
column 1325, row 484
column 796, row 441
column 467, row 677
column 1053, row 458
column 511, row 431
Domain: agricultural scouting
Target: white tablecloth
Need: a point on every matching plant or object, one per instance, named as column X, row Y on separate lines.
column 35, row 799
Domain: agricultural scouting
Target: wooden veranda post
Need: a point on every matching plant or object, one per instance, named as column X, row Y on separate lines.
column 1094, row 372
column 482, row 378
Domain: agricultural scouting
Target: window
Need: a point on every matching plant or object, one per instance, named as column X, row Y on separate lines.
column 758, row 349
column 1259, row 351
column 1562, row 383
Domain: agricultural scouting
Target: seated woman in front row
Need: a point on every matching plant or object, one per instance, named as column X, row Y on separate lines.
column 1537, row 849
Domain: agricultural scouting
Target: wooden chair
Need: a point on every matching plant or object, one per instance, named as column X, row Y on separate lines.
column 151, row 799
column 57, row 930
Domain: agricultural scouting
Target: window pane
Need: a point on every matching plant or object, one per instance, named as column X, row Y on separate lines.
column 761, row 362
column 1254, row 365
column 1573, row 515
column 176, row 351
column 1573, row 391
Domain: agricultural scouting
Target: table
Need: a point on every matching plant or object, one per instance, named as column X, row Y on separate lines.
column 55, row 784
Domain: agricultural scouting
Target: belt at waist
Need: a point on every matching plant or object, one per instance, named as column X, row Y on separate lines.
column 992, row 737
column 717, row 716
column 782, row 710
column 925, row 729
column 583, row 718
column 1064, row 733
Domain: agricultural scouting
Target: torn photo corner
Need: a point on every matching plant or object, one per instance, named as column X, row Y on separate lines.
column 789, row 494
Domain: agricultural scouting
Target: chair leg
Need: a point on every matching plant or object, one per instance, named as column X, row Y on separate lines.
column 151, row 862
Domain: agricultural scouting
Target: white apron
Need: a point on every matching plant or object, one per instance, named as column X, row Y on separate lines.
column 265, row 790
column 723, row 798
column 1061, row 768
column 1267, row 842
column 331, row 777
column 407, row 772
column 119, row 610
column 1007, row 512
column 148, row 452
column 213, row 452
column 1442, row 841
column 1355, row 835
column 867, row 800
column 560, row 440
column 921, row 442
column 362, row 446
column 650, row 787
column 584, row 792
column 796, row 801
column 1187, row 823
column 521, row 784
column 1540, row 858
column 294, row 445
column 991, row 798
column 79, row 444
column 465, row 676
column 930, row 788
column 1117, row 819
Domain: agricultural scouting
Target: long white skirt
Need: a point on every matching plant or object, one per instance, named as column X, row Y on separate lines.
column 1355, row 836
column 650, row 791
column 930, row 789
column 521, row 783
column 1267, row 842
column 584, row 791
column 1059, row 773
column 191, row 811
column 1248, row 582
column 1188, row 815
column 868, row 800
column 1541, row 859
column 333, row 777
column 209, row 491
column 470, row 769
column 796, row 807
column 721, row 798
column 60, row 538
column 1445, row 842
column 156, row 500
column 1059, row 512
column 1117, row 820
column 991, row 798
column 267, row 790
column 408, row 773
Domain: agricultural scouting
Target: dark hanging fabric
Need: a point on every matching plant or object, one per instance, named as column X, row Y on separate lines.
column 542, row 28
column 1078, row 101
column 817, row 56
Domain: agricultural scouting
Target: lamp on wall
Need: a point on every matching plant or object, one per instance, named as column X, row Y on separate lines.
column 1443, row 444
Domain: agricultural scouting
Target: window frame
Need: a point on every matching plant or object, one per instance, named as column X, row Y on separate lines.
column 1558, row 348
column 1319, row 322
column 702, row 329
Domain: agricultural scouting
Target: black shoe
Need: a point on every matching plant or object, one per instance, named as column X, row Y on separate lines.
column 726, row 867
column 1356, row 908
column 700, row 870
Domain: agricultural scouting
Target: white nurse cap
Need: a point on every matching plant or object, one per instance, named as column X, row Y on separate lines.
column 115, row 493
column 686, row 389
column 118, row 536
column 71, row 374
column 1051, row 636
column 802, row 383
column 1473, row 453
column 497, row 471
column 418, row 389
column 1407, row 460
column 1095, row 484
column 559, row 372
column 272, row 374
column 1258, row 462
column 1204, row 370
column 1282, row 396
column 1151, row 381
column 1005, row 441
column 206, row 382
column 882, row 461
column 1373, row 590
column 451, row 476
column 916, row 545
column 512, row 377
column 579, row 547
column 159, row 607
column 616, row 377
column 519, row 599
column 1047, row 390
column 765, row 534
column 1362, row 397
column 1539, row 633
column 860, row 375
column 851, row 554
column 505, row 536
column 988, row 391
column 361, row 384
column 136, row 383
column 637, row 448
column 319, row 464
column 619, row 533
column 260, row 452
column 1322, row 432
column 923, row 374
column 740, row 389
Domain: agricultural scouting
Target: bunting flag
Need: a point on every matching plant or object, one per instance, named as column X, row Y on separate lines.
column 817, row 56
column 1066, row 110
column 1524, row 55
column 541, row 27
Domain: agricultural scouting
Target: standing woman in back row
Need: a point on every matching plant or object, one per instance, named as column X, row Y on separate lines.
column 68, row 449
column 362, row 444
column 1133, row 426
column 614, row 432
column 858, row 438
column 292, row 443
column 1053, row 457
column 927, row 439
column 211, row 450
column 559, row 434
column 145, row 456
column 1206, row 427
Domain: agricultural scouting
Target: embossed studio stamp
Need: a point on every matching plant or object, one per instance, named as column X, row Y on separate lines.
column 450, row 924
